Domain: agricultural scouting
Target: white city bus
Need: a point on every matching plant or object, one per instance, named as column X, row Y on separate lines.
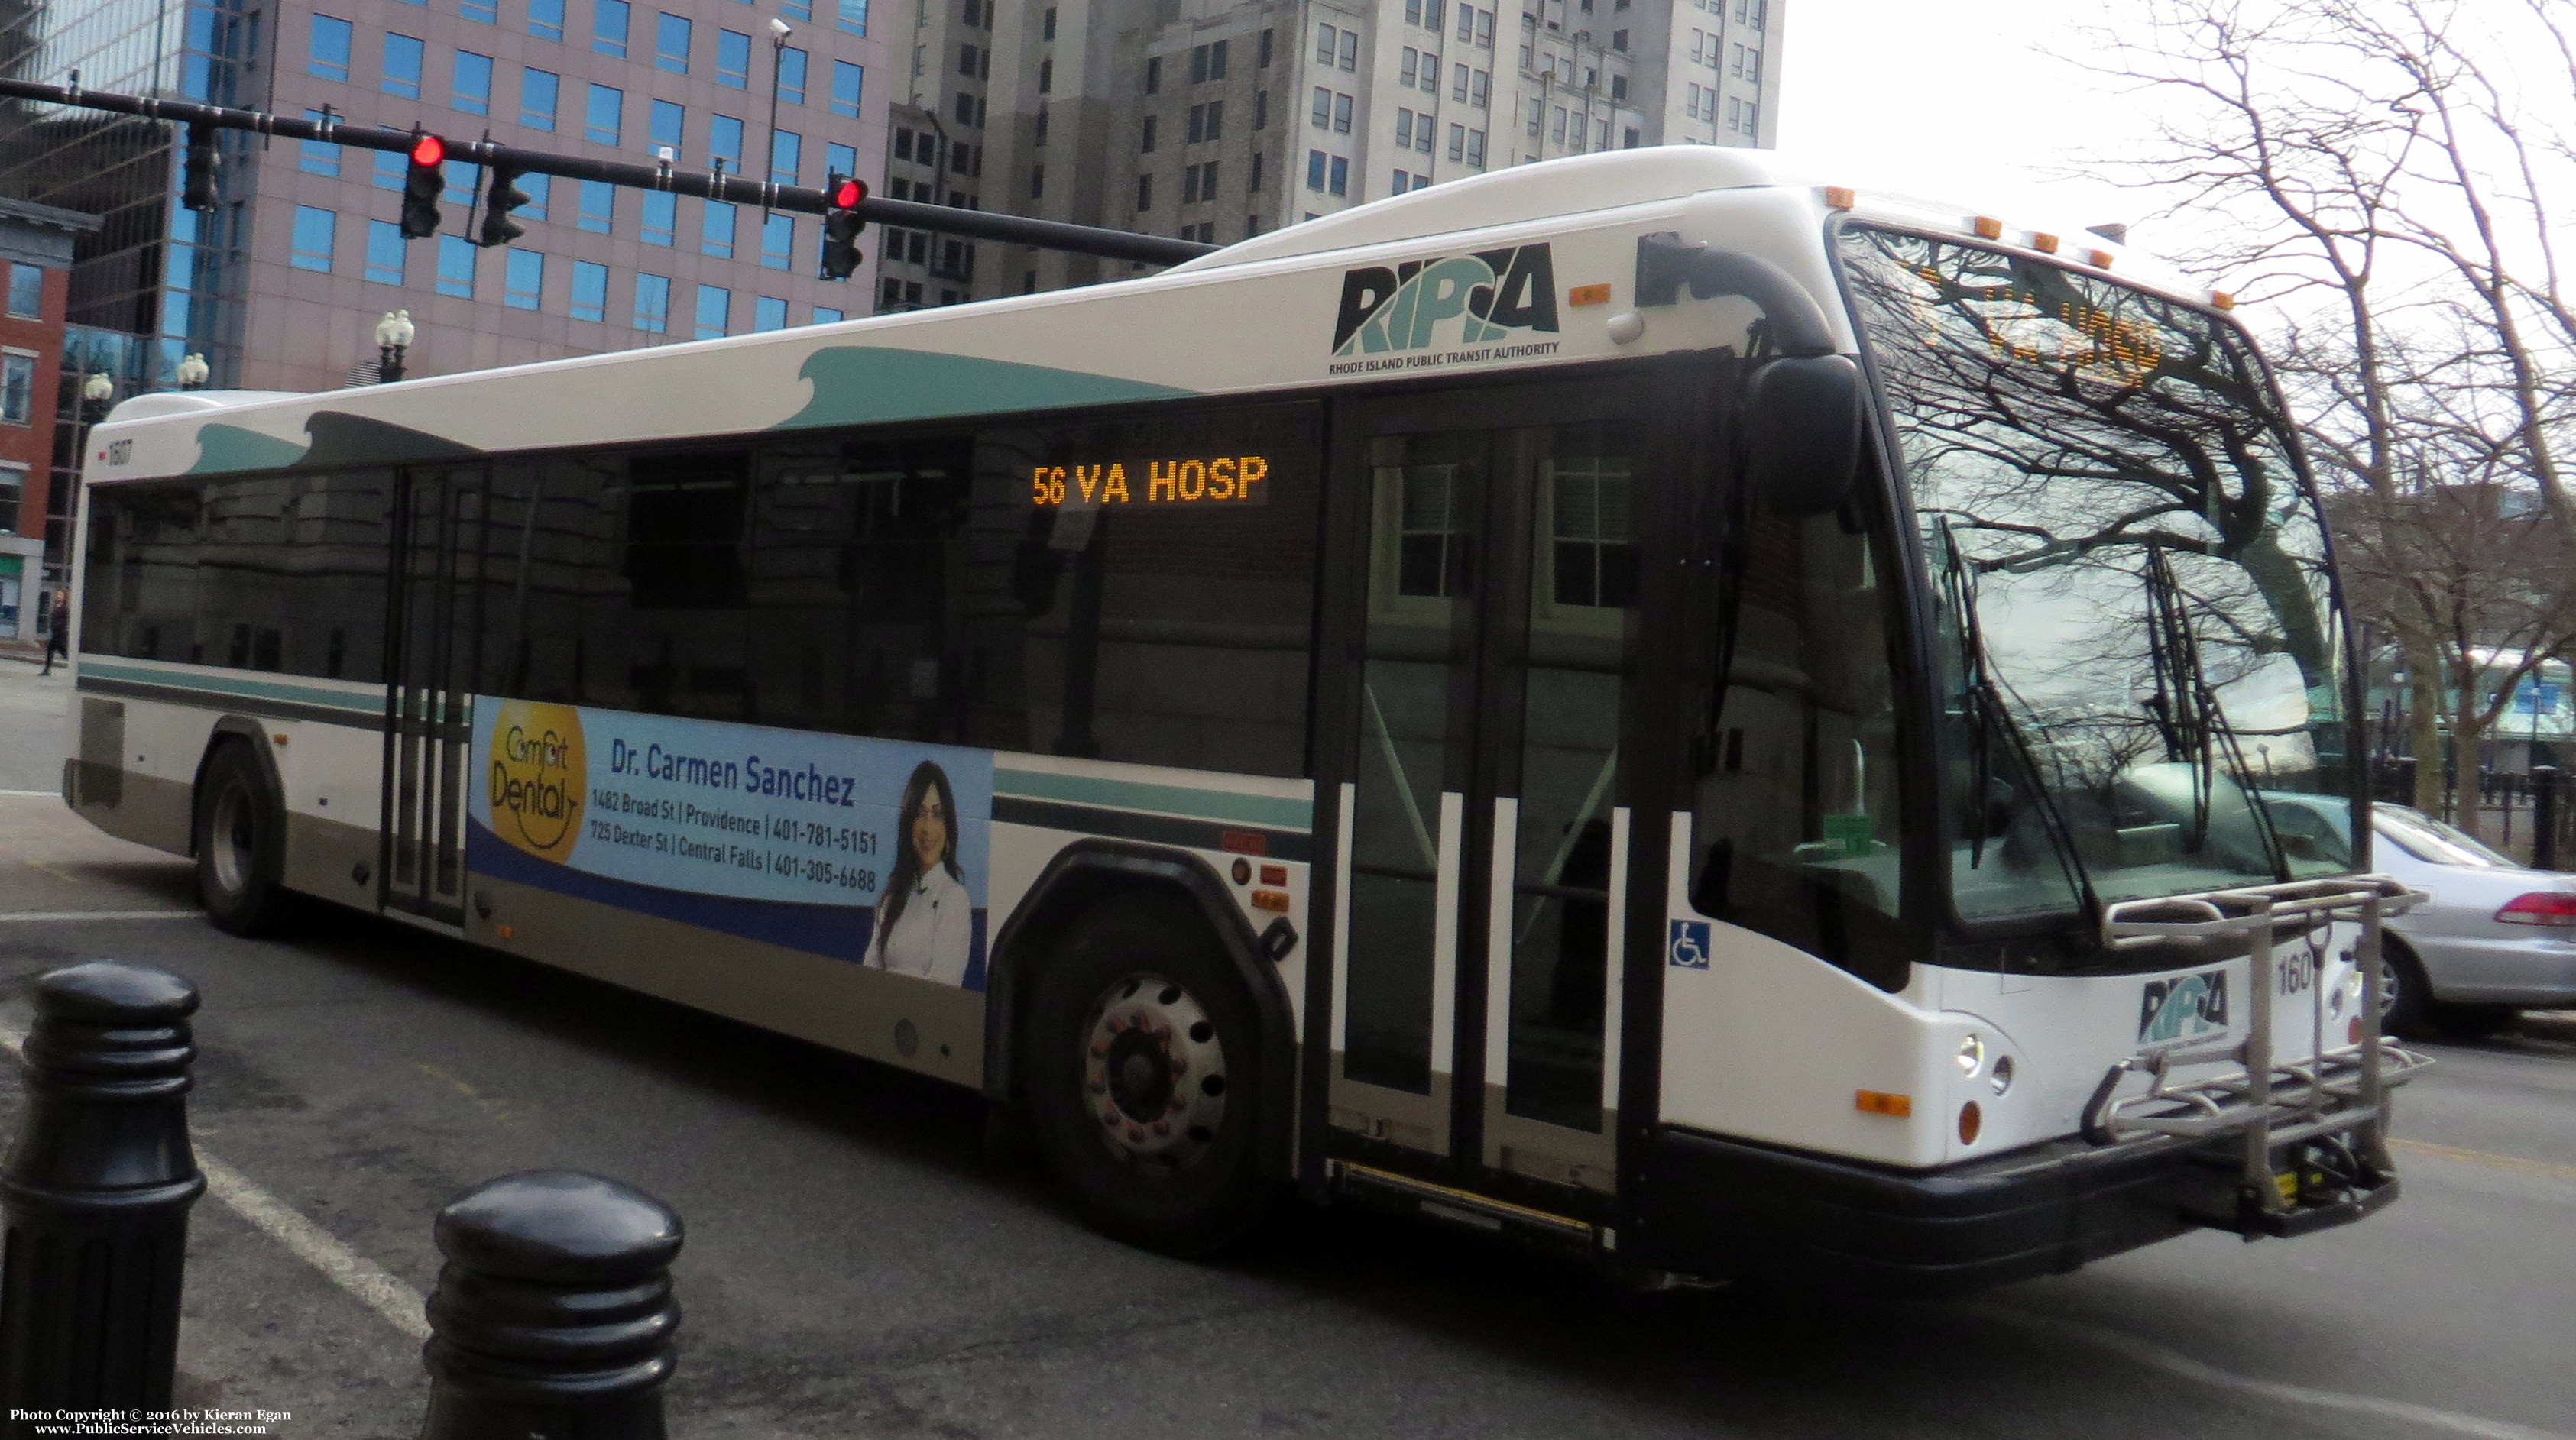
column 1713, row 723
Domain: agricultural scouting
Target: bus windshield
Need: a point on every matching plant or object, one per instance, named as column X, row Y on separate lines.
column 2138, row 636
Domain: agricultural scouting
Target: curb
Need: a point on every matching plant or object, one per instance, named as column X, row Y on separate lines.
column 2548, row 1024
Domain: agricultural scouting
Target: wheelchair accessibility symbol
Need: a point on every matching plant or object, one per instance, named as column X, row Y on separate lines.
column 1688, row 947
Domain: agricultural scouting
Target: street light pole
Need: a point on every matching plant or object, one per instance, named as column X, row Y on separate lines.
column 779, row 30
column 393, row 340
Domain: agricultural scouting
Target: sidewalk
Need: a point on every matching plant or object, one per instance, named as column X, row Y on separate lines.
column 35, row 723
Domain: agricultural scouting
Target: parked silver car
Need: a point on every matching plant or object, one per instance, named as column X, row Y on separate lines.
column 2496, row 938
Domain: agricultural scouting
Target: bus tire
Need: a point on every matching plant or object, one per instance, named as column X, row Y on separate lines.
column 240, row 844
column 1144, row 1085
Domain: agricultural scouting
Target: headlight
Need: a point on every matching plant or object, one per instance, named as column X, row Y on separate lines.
column 1972, row 1055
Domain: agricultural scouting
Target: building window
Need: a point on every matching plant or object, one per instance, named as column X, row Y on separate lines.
column 608, row 20
column 664, row 126
column 1262, row 60
column 852, row 17
column 390, row 170
column 1350, row 49
column 1457, row 142
column 715, row 311
column 1341, row 114
column 1314, row 169
column 1048, row 32
column 26, row 292
column 1153, row 74
column 797, row 9
column 536, row 188
column 1144, row 193
column 1326, row 38
column 768, row 312
column 523, row 280
column 402, row 67
column 589, row 291
column 1145, row 136
column 786, row 157
column 715, row 231
column 606, row 115
column 539, row 91
column 724, row 141
column 653, row 303
column 671, row 43
column 1481, row 92
column 459, row 182
column 1476, row 148
column 843, row 160
column 473, row 83
column 1216, row 61
column 456, row 266
column 317, row 157
column 846, row 79
column 1341, row 180
column 661, row 216
column 733, row 59
column 1260, row 109
column 778, row 242
column 326, row 48
column 1403, row 129
column 826, row 315
column 1403, row 182
column 1256, row 172
column 1037, row 182
column 314, row 230
column 545, row 19
column 1630, row 139
column 481, row 12
column 1619, row 40
column 791, row 75
column 18, row 389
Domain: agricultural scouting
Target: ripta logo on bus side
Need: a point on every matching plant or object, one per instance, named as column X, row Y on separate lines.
column 539, row 776
column 1476, row 299
column 2186, row 1007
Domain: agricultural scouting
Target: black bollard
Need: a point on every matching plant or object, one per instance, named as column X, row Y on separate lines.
column 96, row 1193
column 553, row 1316
column 2546, row 783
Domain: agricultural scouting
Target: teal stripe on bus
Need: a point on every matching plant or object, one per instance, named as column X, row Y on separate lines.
column 369, row 705
column 1264, row 810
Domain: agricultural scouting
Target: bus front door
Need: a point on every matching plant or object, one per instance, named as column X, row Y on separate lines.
column 1483, row 768
column 429, row 717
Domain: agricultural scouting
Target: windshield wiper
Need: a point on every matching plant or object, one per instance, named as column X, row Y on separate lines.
column 2186, row 712
column 1990, row 716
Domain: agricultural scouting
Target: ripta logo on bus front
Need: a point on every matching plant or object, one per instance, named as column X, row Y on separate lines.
column 2186, row 1007
column 538, row 776
column 1457, row 300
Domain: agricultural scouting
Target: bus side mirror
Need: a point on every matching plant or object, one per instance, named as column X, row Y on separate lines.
column 1802, row 428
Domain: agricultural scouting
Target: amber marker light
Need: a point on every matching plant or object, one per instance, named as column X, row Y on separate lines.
column 1840, row 197
column 2220, row 299
column 1270, row 900
column 1588, row 295
column 1987, row 227
column 2043, row 242
column 1972, row 1123
column 2098, row 259
column 1879, row 1102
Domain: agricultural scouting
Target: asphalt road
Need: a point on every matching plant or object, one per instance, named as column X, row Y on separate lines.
column 856, row 1265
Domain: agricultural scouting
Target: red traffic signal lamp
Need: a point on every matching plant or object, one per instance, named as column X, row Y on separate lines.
column 423, row 183
column 841, row 225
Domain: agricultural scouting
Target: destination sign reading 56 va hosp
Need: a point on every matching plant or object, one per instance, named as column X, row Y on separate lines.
column 1188, row 480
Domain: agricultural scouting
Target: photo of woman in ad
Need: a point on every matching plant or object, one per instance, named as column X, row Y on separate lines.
column 925, row 920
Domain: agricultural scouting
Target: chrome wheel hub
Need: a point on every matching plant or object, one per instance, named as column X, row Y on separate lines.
column 1153, row 1071
column 232, row 839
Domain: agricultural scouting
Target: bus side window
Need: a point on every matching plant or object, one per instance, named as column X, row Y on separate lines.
column 1796, row 814
column 140, row 598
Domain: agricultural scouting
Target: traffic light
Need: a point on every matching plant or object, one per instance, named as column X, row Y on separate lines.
column 197, row 189
column 503, row 197
column 841, row 225
column 422, row 186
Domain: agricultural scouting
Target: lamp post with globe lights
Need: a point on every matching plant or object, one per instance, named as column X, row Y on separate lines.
column 193, row 372
column 393, row 339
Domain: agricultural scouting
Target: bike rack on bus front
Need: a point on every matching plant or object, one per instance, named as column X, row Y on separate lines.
column 2270, row 1106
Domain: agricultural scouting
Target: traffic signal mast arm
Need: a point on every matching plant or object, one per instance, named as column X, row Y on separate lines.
column 712, row 185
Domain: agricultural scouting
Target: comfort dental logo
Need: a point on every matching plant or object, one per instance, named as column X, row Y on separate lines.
column 1465, row 302
column 539, row 776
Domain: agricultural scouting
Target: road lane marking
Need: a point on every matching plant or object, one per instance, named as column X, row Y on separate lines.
column 34, row 915
column 2174, row 1362
column 22, row 794
column 2489, row 1158
column 375, row 1287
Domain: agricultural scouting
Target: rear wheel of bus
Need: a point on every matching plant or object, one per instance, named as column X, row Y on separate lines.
column 240, row 843
column 1143, row 1083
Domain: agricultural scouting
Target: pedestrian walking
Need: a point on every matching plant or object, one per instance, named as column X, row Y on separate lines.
column 60, row 642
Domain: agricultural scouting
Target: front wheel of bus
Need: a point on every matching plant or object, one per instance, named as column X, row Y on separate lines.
column 240, row 844
column 1143, row 1082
